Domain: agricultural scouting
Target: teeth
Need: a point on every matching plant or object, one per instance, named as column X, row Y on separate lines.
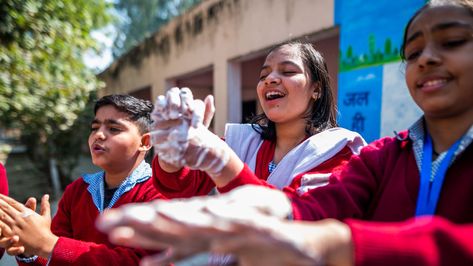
column 273, row 94
column 436, row 82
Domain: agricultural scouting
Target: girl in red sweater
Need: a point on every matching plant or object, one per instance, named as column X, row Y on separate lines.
column 298, row 119
column 405, row 200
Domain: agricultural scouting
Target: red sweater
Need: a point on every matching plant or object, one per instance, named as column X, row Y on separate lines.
column 80, row 243
column 187, row 183
column 381, row 185
column 3, row 180
column 3, row 190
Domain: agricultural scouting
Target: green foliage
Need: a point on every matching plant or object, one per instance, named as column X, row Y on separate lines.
column 142, row 18
column 44, row 84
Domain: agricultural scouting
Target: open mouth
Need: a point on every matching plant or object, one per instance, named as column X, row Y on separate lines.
column 98, row 148
column 433, row 83
column 272, row 95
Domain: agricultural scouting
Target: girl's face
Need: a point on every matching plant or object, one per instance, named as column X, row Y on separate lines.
column 439, row 56
column 284, row 88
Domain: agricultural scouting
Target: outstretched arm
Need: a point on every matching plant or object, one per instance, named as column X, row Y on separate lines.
column 181, row 137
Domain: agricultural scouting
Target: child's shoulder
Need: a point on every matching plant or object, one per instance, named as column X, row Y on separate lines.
column 388, row 143
column 83, row 181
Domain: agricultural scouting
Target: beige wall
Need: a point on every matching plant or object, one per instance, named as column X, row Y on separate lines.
column 229, row 33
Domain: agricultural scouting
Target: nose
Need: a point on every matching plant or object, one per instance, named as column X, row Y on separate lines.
column 272, row 79
column 99, row 134
column 429, row 57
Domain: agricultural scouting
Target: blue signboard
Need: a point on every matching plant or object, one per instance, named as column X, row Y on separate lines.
column 360, row 101
column 370, row 36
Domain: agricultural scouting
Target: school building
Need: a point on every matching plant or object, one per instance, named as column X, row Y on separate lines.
column 218, row 47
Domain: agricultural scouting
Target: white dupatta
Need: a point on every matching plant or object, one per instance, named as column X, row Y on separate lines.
column 313, row 151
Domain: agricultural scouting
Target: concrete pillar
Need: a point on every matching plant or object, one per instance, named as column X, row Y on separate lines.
column 227, row 93
column 234, row 92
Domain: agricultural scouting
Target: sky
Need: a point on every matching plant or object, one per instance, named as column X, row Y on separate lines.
column 99, row 62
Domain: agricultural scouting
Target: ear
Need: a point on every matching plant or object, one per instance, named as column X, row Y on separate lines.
column 316, row 91
column 145, row 142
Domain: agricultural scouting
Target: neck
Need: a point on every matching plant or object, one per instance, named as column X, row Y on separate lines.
column 445, row 132
column 288, row 136
column 116, row 175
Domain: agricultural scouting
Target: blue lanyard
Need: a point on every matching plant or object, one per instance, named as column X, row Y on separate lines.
column 430, row 190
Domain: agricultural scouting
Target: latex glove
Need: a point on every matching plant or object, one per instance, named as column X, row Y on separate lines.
column 180, row 136
column 173, row 115
column 205, row 151
column 177, row 103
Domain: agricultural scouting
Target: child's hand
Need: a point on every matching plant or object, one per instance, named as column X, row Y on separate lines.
column 173, row 115
column 32, row 229
column 11, row 243
column 171, row 223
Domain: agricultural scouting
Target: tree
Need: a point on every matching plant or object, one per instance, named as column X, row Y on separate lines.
column 349, row 51
column 141, row 18
column 387, row 47
column 44, row 84
column 372, row 44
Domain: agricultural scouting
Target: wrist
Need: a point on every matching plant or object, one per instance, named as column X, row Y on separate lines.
column 340, row 252
column 231, row 169
column 47, row 248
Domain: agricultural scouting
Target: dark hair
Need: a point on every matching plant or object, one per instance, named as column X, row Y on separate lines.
column 467, row 4
column 323, row 114
column 139, row 110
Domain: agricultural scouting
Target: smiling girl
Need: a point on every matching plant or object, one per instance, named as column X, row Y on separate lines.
column 295, row 142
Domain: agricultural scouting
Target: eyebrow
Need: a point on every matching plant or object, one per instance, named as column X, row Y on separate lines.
column 107, row 121
column 440, row 27
column 287, row 62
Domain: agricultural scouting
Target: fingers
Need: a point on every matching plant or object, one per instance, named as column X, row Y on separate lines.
column 175, row 104
column 163, row 258
column 15, row 251
column 6, row 230
column 45, row 207
column 128, row 236
column 5, row 242
column 173, row 107
column 31, row 204
column 209, row 110
column 232, row 245
column 198, row 114
column 13, row 203
column 13, row 247
column 187, row 102
column 8, row 214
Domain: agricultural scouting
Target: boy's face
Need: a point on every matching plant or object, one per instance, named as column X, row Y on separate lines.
column 114, row 141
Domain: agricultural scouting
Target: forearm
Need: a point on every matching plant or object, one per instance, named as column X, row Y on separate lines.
column 418, row 241
column 231, row 170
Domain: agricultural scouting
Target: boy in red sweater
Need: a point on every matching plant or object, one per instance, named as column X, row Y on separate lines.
column 118, row 142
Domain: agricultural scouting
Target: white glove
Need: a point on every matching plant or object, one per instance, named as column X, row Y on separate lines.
column 180, row 137
column 206, row 151
column 172, row 115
